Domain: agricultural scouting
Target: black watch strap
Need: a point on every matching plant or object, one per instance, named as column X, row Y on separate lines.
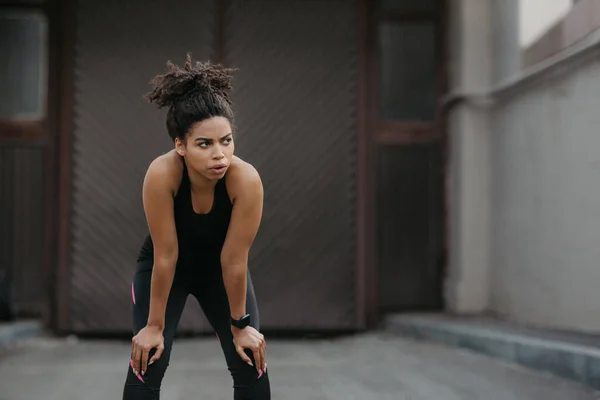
column 240, row 323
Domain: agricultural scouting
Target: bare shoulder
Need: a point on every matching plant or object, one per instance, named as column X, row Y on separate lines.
column 243, row 179
column 164, row 172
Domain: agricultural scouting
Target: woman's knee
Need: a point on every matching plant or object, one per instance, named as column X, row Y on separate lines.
column 254, row 387
column 138, row 387
column 152, row 378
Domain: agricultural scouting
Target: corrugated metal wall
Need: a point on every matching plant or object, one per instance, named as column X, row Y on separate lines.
column 120, row 47
column 295, row 97
column 22, row 189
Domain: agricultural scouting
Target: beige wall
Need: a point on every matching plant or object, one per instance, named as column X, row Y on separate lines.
column 545, row 162
column 467, row 285
column 524, row 236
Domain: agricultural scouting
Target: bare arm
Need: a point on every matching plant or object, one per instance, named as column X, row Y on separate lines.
column 158, row 195
column 247, row 191
column 247, row 196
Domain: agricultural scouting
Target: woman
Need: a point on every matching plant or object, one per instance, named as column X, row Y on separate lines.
column 203, row 206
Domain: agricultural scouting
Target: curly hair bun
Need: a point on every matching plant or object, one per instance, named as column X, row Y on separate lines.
column 194, row 79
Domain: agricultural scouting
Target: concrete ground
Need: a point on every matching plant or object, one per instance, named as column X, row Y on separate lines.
column 370, row 366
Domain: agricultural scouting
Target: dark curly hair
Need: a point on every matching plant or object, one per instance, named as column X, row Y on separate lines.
column 193, row 93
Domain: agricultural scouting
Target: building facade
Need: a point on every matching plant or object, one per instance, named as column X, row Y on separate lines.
column 416, row 155
column 353, row 170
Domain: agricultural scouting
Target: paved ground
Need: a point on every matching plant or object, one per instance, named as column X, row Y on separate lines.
column 372, row 366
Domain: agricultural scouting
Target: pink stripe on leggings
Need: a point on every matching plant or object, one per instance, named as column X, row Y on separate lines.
column 132, row 293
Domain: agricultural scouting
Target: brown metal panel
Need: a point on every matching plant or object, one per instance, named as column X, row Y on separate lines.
column 16, row 133
column 60, row 159
column 60, row 49
column 28, row 281
column 411, row 207
column 21, row 228
column 119, row 49
column 6, row 228
column 296, row 101
column 411, row 171
column 366, row 273
column 22, row 3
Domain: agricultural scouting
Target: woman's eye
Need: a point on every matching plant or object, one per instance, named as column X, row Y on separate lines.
column 204, row 144
column 227, row 141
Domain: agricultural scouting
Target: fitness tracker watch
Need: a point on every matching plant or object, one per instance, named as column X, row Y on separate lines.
column 240, row 323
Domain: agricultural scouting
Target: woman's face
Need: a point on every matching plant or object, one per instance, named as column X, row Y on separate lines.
column 208, row 147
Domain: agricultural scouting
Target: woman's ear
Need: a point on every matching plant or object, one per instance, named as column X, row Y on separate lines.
column 180, row 147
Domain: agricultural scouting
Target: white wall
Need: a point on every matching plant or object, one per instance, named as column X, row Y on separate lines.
column 524, row 202
column 545, row 190
column 537, row 16
column 467, row 284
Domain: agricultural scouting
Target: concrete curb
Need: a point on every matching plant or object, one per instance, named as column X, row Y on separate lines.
column 14, row 332
column 575, row 361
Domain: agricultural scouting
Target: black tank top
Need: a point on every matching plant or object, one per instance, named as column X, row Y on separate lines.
column 200, row 236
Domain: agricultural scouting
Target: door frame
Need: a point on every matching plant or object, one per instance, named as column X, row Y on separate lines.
column 46, row 132
column 60, row 162
column 373, row 132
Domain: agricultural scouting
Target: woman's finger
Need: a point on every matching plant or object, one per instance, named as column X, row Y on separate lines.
column 263, row 355
column 136, row 360
column 144, row 361
column 156, row 356
column 257, row 358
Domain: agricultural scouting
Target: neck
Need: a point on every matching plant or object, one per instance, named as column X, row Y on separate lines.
column 199, row 182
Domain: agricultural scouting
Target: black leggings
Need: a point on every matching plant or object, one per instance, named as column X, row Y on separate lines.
column 210, row 292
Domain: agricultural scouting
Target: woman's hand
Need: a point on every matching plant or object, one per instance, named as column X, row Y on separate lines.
column 250, row 338
column 147, row 339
